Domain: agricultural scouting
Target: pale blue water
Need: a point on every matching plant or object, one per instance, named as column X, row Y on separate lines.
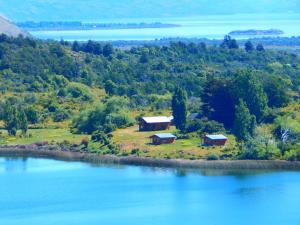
column 48, row 192
column 212, row 27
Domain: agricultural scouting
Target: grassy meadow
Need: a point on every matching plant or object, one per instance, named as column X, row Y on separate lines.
column 131, row 139
column 41, row 135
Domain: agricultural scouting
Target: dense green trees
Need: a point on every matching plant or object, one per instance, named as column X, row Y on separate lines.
column 179, row 108
column 221, row 95
column 247, row 87
column 218, row 100
column 229, row 43
column 31, row 66
column 110, row 87
column 14, row 117
column 105, row 117
column 277, row 89
column 244, row 122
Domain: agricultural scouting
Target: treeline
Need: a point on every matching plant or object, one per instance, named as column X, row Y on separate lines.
column 271, row 42
column 30, row 65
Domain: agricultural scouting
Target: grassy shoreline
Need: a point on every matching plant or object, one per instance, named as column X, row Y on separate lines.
column 52, row 152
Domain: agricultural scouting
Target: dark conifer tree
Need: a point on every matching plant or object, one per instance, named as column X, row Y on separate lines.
column 179, row 107
column 249, row 46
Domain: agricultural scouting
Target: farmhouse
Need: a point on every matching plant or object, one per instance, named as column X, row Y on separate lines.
column 155, row 123
column 159, row 139
column 218, row 140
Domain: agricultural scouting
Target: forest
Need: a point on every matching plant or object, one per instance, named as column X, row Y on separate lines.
column 95, row 89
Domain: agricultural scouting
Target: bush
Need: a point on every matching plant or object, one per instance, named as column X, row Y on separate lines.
column 105, row 117
column 293, row 154
column 204, row 126
column 61, row 115
column 77, row 90
column 212, row 156
column 101, row 137
column 135, row 152
column 85, row 142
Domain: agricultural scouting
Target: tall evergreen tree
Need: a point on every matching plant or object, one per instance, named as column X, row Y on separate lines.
column 23, row 122
column 249, row 46
column 179, row 107
column 11, row 119
column 244, row 123
column 260, row 48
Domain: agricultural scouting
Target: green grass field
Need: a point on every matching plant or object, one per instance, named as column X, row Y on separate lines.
column 127, row 139
column 130, row 138
column 40, row 135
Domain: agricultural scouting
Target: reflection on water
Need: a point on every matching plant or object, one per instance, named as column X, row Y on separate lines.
column 20, row 164
column 47, row 192
column 13, row 164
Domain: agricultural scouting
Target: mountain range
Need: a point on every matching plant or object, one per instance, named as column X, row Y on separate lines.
column 10, row 29
column 84, row 10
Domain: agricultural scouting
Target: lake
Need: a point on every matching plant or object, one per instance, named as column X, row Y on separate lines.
column 47, row 192
column 212, row 27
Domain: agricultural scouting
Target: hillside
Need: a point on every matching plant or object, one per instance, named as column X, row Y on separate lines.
column 8, row 28
column 55, row 10
column 249, row 93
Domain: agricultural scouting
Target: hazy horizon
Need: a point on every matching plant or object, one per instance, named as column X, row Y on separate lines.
column 95, row 10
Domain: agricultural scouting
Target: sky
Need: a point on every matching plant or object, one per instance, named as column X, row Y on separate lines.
column 86, row 10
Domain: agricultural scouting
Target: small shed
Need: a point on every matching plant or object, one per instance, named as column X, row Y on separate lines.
column 218, row 140
column 155, row 123
column 159, row 139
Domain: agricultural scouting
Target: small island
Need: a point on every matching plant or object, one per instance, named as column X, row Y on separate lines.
column 257, row 32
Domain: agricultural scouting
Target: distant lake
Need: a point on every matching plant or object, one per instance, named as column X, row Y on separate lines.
column 49, row 192
column 212, row 27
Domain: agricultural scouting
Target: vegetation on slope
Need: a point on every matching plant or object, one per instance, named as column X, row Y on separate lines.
column 96, row 90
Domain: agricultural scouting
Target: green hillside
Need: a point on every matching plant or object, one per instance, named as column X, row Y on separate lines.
column 247, row 93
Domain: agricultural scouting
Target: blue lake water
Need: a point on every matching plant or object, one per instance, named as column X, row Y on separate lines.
column 48, row 192
column 212, row 27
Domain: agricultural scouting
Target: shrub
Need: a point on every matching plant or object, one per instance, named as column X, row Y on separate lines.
column 135, row 152
column 77, row 90
column 105, row 117
column 61, row 115
column 85, row 142
column 204, row 126
column 212, row 156
column 101, row 137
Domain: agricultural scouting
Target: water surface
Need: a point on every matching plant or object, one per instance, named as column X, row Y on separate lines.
column 212, row 27
column 47, row 192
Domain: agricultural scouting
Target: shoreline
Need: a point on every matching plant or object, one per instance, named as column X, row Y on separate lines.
column 53, row 152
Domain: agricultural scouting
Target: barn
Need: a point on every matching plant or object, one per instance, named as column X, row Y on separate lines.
column 218, row 140
column 159, row 139
column 155, row 123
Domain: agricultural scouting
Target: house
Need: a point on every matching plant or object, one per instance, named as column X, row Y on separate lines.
column 155, row 123
column 159, row 139
column 218, row 140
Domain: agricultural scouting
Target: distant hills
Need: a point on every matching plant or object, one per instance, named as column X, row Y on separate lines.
column 10, row 29
column 87, row 10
